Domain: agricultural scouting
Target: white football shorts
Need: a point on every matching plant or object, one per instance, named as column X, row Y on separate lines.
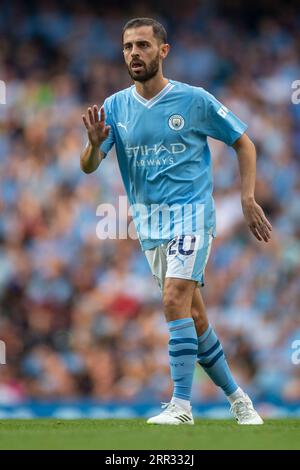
column 183, row 257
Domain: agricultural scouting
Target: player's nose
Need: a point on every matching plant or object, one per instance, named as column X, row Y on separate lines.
column 134, row 52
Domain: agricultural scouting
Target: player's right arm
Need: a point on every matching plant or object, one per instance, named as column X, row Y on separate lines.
column 97, row 131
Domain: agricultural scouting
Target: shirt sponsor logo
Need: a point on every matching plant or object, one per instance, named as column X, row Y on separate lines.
column 155, row 150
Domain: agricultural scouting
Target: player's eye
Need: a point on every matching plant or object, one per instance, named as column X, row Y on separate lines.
column 127, row 47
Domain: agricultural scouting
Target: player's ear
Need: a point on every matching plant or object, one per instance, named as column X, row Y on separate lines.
column 164, row 50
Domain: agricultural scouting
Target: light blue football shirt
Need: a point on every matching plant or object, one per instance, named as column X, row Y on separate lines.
column 164, row 158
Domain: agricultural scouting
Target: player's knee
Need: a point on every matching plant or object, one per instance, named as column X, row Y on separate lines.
column 195, row 314
column 199, row 316
column 170, row 303
column 201, row 323
column 173, row 300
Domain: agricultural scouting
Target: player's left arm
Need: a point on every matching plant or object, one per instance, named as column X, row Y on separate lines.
column 253, row 213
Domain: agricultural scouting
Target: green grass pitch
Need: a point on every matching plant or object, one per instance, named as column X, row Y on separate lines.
column 135, row 434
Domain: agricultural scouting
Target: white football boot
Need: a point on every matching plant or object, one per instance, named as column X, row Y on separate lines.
column 172, row 415
column 244, row 412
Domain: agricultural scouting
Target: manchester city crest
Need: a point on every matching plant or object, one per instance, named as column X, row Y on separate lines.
column 176, row 122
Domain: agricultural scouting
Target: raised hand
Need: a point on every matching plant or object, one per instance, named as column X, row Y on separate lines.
column 95, row 126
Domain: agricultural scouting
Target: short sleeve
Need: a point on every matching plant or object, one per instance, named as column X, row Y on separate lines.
column 110, row 140
column 219, row 122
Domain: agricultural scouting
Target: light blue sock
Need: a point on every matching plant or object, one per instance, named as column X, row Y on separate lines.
column 211, row 358
column 183, row 356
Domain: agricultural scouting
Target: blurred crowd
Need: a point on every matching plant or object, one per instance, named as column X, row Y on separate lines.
column 82, row 317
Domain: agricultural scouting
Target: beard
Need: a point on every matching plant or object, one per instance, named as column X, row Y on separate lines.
column 149, row 71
